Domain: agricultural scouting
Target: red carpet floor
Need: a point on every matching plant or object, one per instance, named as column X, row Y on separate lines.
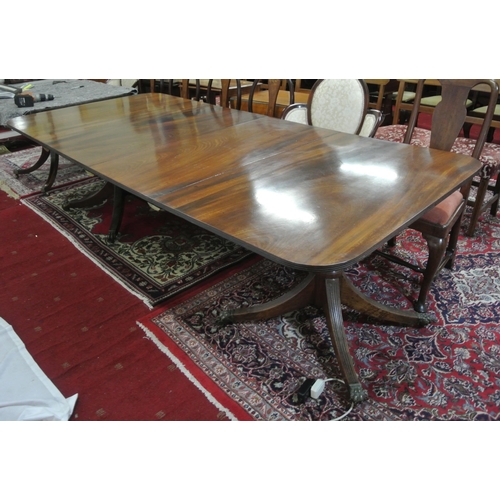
column 80, row 327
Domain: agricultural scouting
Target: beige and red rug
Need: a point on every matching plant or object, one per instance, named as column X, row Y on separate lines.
column 156, row 254
column 27, row 184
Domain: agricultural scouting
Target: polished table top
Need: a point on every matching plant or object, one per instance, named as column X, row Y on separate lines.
column 307, row 197
column 311, row 198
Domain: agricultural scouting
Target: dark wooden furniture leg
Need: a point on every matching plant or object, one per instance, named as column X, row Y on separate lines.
column 92, row 200
column 43, row 158
column 54, row 166
column 329, row 291
column 118, row 206
column 107, row 191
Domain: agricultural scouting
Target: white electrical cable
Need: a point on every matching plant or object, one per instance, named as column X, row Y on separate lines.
column 320, row 387
column 344, row 415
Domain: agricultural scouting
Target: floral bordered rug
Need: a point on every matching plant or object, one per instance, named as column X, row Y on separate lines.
column 449, row 370
column 155, row 255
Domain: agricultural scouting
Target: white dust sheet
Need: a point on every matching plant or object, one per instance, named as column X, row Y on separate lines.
column 26, row 393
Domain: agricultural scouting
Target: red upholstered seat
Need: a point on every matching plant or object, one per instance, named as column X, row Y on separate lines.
column 443, row 211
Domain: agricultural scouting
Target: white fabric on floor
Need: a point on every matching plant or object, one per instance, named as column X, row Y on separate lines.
column 26, row 393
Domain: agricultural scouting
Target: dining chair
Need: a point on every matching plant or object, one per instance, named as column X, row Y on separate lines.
column 338, row 105
column 223, row 91
column 381, row 92
column 209, row 90
column 440, row 226
column 187, row 89
column 478, row 110
column 487, row 188
column 268, row 97
column 165, row 86
column 488, row 184
column 296, row 112
column 434, row 98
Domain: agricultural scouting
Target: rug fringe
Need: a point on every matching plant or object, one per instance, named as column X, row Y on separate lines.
column 185, row 371
column 84, row 251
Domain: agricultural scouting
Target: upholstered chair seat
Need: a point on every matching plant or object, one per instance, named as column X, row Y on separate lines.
column 443, row 212
column 407, row 96
column 490, row 155
column 482, row 110
column 434, row 100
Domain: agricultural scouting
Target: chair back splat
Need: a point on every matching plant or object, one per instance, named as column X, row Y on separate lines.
column 273, row 91
column 164, row 86
column 212, row 91
column 451, row 112
column 225, row 86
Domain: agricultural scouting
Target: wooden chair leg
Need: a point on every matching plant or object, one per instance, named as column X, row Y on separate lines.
column 496, row 194
column 451, row 249
column 478, row 205
column 437, row 249
column 466, row 128
column 491, row 135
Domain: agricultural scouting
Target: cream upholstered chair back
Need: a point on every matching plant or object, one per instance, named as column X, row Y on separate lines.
column 371, row 123
column 338, row 104
column 298, row 113
column 295, row 113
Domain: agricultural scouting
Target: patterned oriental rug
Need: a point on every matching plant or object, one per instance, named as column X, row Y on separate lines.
column 156, row 254
column 28, row 184
column 449, row 370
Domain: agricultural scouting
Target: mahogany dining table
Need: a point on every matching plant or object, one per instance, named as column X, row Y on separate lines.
column 313, row 199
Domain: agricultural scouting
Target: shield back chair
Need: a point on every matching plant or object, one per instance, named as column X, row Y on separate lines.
column 489, row 157
column 440, row 226
column 296, row 112
column 338, row 105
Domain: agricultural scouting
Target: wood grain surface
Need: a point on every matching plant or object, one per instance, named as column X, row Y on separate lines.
column 311, row 198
